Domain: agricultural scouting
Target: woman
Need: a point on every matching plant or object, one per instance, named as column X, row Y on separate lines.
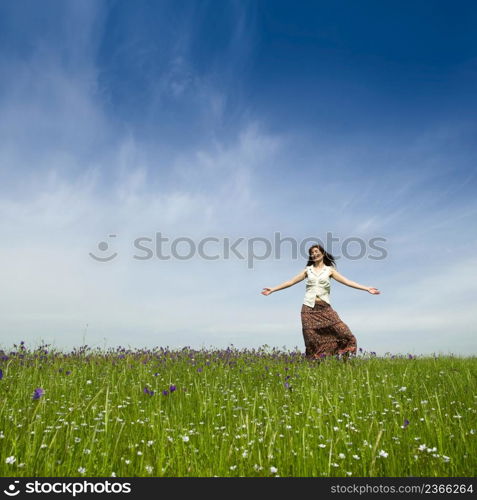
column 323, row 331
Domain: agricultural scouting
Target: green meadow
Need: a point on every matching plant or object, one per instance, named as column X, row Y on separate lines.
column 260, row 412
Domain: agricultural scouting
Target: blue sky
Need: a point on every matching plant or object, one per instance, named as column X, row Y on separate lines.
column 236, row 119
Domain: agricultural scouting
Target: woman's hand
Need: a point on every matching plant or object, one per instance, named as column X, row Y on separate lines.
column 373, row 291
column 267, row 291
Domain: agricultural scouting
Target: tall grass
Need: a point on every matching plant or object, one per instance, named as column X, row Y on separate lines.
column 235, row 412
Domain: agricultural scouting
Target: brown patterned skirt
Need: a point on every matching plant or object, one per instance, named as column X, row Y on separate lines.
column 324, row 332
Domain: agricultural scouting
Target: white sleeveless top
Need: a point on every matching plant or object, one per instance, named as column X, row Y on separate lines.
column 318, row 284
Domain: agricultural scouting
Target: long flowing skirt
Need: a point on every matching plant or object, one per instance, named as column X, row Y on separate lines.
column 324, row 332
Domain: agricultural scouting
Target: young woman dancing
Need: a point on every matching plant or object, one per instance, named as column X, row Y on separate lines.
column 323, row 331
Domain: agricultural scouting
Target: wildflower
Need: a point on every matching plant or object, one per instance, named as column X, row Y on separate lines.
column 1, row 374
column 87, row 451
column 273, row 470
column 113, row 474
column 233, row 467
column 149, row 469
column 422, row 447
column 406, row 423
column 348, row 473
column 356, row 457
column 127, row 462
column 10, row 460
column 322, row 445
column 446, row 459
column 383, row 454
column 341, row 455
column 68, row 372
column 165, row 392
column 81, row 470
column 89, row 382
column 402, row 389
column 77, row 439
column 148, row 391
column 185, row 439
column 38, row 393
column 172, row 388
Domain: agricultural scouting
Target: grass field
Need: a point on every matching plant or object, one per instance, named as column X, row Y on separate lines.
column 261, row 412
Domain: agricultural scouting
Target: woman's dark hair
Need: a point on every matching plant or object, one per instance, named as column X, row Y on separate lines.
column 328, row 259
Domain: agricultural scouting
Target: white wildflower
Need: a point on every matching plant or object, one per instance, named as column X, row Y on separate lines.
column 341, row 455
column 10, row 460
column 81, row 470
column 383, row 454
column 185, row 439
column 356, row 457
column 273, row 470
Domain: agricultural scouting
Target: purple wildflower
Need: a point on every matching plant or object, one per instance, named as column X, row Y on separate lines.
column 172, row 388
column 1, row 374
column 165, row 392
column 38, row 393
column 148, row 391
column 406, row 423
column 199, row 369
column 410, row 356
column 68, row 372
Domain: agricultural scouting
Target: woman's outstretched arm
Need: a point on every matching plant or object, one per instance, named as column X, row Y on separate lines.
column 296, row 279
column 339, row 277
